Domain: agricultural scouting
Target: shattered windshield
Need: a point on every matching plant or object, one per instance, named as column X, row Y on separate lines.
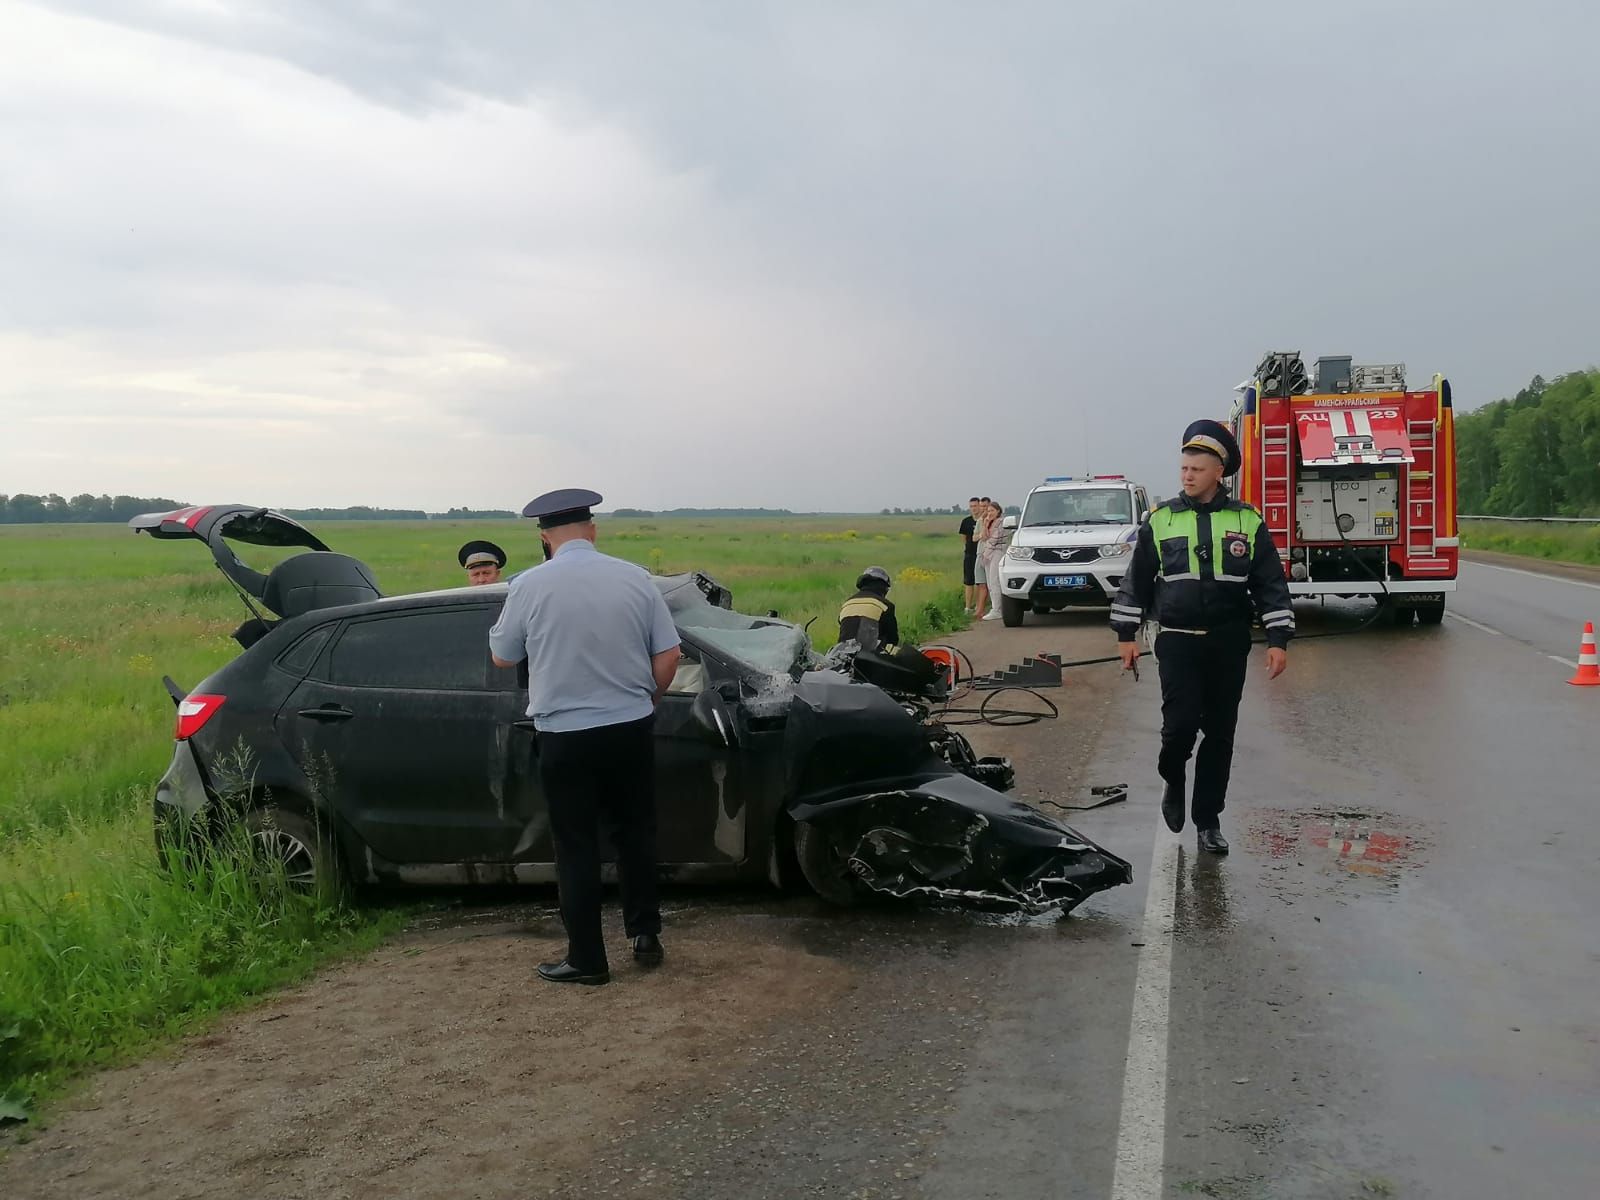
column 771, row 646
column 1080, row 506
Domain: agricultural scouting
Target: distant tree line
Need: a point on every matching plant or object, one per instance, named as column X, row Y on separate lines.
column 1536, row 454
column 954, row 510
column 356, row 512
column 25, row 509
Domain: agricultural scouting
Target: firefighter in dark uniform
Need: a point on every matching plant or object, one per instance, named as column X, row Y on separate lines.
column 1204, row 566
column 482, row 562
column 867, row 618
column 601, row 649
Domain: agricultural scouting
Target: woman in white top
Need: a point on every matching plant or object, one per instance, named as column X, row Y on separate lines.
column 991, row 553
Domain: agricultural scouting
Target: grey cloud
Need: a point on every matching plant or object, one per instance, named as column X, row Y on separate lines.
column 1071, row 228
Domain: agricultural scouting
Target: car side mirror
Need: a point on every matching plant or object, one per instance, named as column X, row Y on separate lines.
column 1009, row 523
column 1144, row 516
column 715, row 719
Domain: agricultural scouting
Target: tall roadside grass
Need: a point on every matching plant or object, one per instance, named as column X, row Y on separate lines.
column 104, row 948
column 1553, row 543
column 101, row 949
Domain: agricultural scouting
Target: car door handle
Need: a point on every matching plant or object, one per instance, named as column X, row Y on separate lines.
column 328, row 712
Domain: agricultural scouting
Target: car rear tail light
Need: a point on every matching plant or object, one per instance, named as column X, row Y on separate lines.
column 193, row 712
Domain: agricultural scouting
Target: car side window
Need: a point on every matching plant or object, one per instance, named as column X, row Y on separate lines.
column 302, row 656
column 426, row 649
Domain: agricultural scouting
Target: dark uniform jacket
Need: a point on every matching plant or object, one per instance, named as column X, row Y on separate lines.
column 868, row 619
column 1201, row 567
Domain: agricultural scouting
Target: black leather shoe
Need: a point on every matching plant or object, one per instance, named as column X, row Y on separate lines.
column 1172, row 807
column 565, row 972
column 647, row 951
column 1212, row 841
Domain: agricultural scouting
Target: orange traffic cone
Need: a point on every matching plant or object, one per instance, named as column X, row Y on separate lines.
column 1588, row 661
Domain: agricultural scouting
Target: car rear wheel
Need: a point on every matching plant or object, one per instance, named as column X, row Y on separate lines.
column 1012, row 610
column 826, row 868
column 288, row 841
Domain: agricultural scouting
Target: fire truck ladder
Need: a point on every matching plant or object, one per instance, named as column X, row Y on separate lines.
column 1276, row 449
column 1421, row 528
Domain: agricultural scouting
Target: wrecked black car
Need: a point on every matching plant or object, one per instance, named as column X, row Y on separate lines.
column 371, row 737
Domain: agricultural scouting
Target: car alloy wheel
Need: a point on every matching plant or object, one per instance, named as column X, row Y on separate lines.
column 826, row 868
column 294, row 844
column 294, row 856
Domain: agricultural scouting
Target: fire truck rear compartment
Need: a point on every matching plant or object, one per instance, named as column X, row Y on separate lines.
column 1347, row 523
column 1358, row 504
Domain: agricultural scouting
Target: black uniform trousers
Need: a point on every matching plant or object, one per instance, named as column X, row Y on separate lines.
column 1202, row 679
column 589, row 776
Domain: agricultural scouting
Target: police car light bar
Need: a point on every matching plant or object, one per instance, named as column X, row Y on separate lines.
column 1108, row 477
column 1058, row 478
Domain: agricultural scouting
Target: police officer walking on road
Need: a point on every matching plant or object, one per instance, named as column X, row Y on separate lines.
column 1204, row 564
column 601, row 648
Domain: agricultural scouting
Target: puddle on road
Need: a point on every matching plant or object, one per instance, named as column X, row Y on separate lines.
column 1337, row 841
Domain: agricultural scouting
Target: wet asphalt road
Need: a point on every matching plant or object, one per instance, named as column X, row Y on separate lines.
column 1391, row 987
column 1543, row 611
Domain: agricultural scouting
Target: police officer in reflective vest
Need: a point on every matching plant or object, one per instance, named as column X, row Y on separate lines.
column 1203, row 567
column 868, row 617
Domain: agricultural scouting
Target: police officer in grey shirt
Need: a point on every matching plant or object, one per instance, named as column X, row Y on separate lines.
column 601, row 648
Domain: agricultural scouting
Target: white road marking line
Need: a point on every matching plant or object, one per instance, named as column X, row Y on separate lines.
column 1142, row 1126
column 1469, row 621
column 1565, row 662
column 1535, row 575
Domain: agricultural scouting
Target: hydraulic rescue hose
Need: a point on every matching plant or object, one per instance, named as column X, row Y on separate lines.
column 951, row 713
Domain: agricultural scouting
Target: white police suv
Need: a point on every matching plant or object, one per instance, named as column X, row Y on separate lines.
column 1071, row 545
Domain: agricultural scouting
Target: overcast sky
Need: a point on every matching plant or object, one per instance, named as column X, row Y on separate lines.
column 807, row 255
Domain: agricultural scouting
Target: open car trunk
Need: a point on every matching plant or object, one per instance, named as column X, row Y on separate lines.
column 317, row 579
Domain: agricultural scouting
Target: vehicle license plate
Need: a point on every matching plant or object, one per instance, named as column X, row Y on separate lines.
column 1066, row 581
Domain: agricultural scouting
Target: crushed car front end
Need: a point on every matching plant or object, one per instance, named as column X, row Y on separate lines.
column 877, row 808
column 953, row 839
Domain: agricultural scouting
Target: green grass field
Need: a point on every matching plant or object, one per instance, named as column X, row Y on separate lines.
column 101, row 951
column 1553, row 543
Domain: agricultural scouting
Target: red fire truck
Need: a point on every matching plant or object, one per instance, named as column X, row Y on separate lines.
column 1355, row 476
